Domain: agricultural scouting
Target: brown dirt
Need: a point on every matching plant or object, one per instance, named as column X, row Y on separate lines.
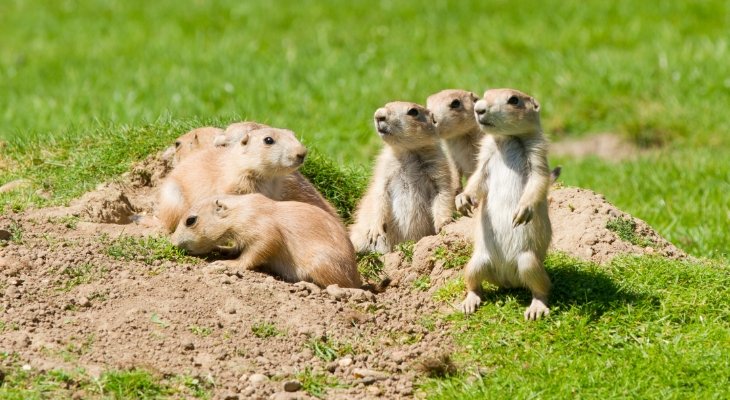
column 197, row 319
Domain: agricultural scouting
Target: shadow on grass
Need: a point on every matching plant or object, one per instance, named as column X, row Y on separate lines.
column 578, row 286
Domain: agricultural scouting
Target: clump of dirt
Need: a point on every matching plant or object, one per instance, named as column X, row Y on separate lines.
column 71, row 295
column 606, row 146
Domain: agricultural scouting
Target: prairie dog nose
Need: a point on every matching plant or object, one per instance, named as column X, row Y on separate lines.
column 480, row 107
column 301, row 155
column 380, row 114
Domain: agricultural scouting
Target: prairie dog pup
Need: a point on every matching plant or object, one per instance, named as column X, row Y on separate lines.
column 510, row 185
column 295, row 240
column 412, row 189
column 453, row 111
column 296, row 186
column 258, row 163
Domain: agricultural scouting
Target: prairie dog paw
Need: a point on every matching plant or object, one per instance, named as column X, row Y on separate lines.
column 376, row 239
column 465, row 202
column 441, row 223
column 470, row 303
column 523, row 215
column 536, row 310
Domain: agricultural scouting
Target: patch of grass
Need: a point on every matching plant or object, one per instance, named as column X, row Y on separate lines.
column 75, row 275
column 342, row 186
column 625, row 228
column 201, row 331
column 155, row 319
column 450, row 291
column 370, row 265
column 132, row 384
column 629, row 319
column 69, row 221
column 265, row 330
column 147, row 249
column 422, row 283
column 76, row 347
column 329, row 350
column 406, row 248
column 316, row 384
column 453, row 256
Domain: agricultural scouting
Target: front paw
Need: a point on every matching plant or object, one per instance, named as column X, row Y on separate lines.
column 376, row 239
column 465, row 202
column 523, row 215
column 441, row 222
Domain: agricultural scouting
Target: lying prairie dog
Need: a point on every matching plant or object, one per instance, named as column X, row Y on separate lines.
column 235, row 131
column 294, row 240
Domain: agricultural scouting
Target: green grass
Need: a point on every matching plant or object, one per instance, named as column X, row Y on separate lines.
column 147, row 249
column 371, row 266
column 625, row 228
column 265, row 330
column 641, row 327
column 317, row 383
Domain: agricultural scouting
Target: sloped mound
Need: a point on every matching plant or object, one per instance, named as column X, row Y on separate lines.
column 80, row 288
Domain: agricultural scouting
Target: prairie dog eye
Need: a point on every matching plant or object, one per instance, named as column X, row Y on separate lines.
column 455, row 104
column 191, row 220
column 269, row 140
column 413, row 112
column 514, row 100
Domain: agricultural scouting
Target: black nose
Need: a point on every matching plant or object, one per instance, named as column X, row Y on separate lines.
column 300, row 157
column 380, row 118
column 191, row 220
column 480, row 111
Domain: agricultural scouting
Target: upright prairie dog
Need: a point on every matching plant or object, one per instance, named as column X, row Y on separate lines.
column 411, row 193
column 453, row 111
column 258, row 163
column 294, row 240
column 510, row 186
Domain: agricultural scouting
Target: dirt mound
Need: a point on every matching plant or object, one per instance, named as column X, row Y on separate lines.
column 79, row 290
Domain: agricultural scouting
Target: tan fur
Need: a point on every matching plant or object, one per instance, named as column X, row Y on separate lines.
column 412, row 189
column 296, row 186
column 294, row 240
column 453, row 110
column 192, row 141
column 510, row 186
column 249, row 165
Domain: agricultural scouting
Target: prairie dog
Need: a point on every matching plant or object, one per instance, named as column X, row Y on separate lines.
column 412, row 189
column 510, row 186
column 453, row 111
column 194, row 140
column 296, row 186
column 297, row 241
column 258, row 163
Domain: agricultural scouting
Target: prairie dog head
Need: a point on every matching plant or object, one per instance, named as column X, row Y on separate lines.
column 268, row 151
column 194, row 140
column 211, row 222
column 405, row 125
column 453, row 111
column 235, row 131
column 508, row 112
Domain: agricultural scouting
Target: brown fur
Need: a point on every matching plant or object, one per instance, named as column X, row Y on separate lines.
column 249, row 165
column 412, row 189
column 297, row 241
column 510, row 187
column 453, row 111
column 235, row 131
column 191, row 142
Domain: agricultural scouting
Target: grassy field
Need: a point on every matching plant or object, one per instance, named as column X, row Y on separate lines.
column 87, row 87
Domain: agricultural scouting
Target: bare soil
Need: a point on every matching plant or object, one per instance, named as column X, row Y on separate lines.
column 74, row 304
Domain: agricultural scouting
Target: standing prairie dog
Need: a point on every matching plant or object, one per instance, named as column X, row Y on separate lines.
column 411, row 193
column 453, row 111
column 258, row 163
column 510, row 186
column 294, row 240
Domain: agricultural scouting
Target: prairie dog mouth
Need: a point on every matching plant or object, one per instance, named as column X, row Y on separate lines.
column 382, row 128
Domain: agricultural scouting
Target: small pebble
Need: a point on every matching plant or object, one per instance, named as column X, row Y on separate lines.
column 292, row 386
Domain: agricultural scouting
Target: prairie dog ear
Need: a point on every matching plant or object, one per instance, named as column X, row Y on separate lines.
column 535, row 104
column 196, row 139
column 221, row 208
column 474, row 97
column 244, row 139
